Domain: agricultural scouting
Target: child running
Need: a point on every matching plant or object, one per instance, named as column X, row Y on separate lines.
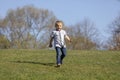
column 59, row 35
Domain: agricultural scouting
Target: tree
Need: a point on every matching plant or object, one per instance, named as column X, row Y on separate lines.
column 24, row 27
column 4, row 42
column 114, row 41
column 84, row 35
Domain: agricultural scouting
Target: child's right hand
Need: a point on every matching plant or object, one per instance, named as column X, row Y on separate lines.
column 50, row 45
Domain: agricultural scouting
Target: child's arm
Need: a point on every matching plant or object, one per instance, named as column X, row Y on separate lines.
column 50, row 44
column 68, row 38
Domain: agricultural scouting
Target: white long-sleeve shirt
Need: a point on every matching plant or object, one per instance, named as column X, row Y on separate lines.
column 59, row 38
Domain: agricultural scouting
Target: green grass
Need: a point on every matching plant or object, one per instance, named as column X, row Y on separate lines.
column 78, row 65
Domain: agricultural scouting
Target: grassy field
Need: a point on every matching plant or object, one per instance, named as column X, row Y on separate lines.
column 78, row 65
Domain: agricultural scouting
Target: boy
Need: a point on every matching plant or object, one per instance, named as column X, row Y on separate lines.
column 59, row 35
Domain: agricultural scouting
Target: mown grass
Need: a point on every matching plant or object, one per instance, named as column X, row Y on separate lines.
column 78, row 65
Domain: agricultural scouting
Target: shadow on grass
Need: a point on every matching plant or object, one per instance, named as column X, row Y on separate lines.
column 31, row 62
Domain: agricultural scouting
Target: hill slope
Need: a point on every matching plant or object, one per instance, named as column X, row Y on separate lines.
column 78, row 65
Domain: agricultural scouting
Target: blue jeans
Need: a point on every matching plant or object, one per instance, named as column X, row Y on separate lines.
column 60, row 54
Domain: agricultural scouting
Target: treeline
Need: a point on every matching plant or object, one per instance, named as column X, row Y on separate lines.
column 30, row 27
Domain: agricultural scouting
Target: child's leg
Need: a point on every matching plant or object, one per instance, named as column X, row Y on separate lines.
column 63, row 50
column 58, row 55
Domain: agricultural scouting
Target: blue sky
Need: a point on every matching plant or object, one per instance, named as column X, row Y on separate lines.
column 100, row 12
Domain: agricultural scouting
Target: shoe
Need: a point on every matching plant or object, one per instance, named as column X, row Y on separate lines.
column 58, row 65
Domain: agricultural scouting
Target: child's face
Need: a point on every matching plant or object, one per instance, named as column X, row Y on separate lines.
column 59, row 26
